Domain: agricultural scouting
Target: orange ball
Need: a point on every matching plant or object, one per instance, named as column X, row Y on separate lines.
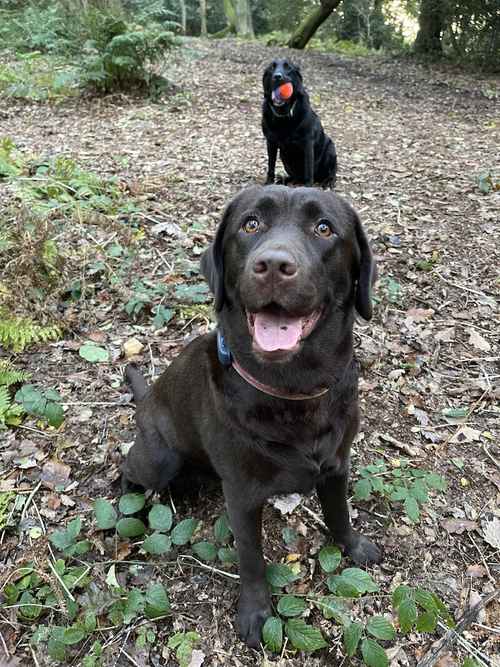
column 286, row 91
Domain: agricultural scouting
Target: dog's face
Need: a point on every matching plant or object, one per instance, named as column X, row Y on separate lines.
column 287, row 267
column 277, row 73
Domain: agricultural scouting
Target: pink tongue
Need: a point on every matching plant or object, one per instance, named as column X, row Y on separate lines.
column 277, row 332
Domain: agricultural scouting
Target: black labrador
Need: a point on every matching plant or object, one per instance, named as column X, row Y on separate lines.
column 269, row 400
column 292, row 126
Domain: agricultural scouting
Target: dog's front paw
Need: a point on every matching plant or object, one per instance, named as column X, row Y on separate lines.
column 269, row 180
column 362, row 550
column 252, row 614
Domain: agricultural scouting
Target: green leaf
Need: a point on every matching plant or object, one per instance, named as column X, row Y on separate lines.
column 130, row 527
column 289, row 605
column 435, row 481
column 105, row 514
column 183, row 531
column 381, row 628
column 427, row 621
column 304, row 637
column 363, row 489
column 279, row 575
column 131, row 503
column 160, row 518
column 227, row 555
column 222, row 530
column 30, row 608
column 157, row 602
column 360, row 579
column 73, row 528
column 373, row 654
column 272, row 634
column 56, row 650
column 332, row 607
column 205, row 550
column 407, row 614
column 454, row 413
column 134, row 605
column 157, row 544
column 425, row 599
column 338, row 585
column 329, row 558
column 352, row 635
column 401, row 593
column 411, row 509
column 72, row 636
column 470, row 662
column 93, row 353
column 54, row 414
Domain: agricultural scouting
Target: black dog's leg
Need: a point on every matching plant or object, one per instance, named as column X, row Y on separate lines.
column 309, row 164
column 272, row 154
column 254, row 604
column 332, row 493
column 150, row 463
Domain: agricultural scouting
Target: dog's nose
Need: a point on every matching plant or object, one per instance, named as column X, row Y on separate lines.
column 278, row 76
column 275, row 263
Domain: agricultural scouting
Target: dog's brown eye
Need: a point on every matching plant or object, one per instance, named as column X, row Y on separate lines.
column 323, row 229
column 251, row 226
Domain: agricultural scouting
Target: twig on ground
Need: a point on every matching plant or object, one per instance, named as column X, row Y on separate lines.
column 487, row 452
column 451, row 636
column 6, row 650
column 315, row 516
column 407, row 449
column 59, row 579
column 28, row 501
column 230, row 575
column 482, row 558
column 35, row 660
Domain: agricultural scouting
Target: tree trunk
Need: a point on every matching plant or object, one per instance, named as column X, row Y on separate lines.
column 230, row 17
column 203, row 17
column 311, row 23
column 182, row 5
column 244, row 24
column 431, row 24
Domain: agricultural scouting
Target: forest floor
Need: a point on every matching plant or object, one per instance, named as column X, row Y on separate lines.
column 418, row 150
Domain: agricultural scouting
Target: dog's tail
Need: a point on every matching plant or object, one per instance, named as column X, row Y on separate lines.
column 137, row 380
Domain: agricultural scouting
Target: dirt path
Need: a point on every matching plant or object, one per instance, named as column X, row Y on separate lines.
column 412, row 144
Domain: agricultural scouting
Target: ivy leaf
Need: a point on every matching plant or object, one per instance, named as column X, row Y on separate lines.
column 93, row 353
column 407, row 614
column 131, row 503
column 183, row 531
column 373, row 654
column 157, row 544
column 29, row 609
column 329, row 558
column 272, row 634
column 157, row 602
column 105, row 514
column 160, row 518
column 56, row 650
column 303, row 636
column 134, row 605
column 222, row 530
column 352, row 635
column 381, row 628
column 205, row 550
column 227, row 555
column 130, row 527
column 289, row 605
column 411, row 509
column 279, row 575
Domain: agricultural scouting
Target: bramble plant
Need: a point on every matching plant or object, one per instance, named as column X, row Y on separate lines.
column 402, row 483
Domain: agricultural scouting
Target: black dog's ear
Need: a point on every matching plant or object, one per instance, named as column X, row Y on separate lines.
column 212, row 262
column 367, row 272
column 266, row 78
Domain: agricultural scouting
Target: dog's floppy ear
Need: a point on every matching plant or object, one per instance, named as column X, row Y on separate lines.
column 266, row 79
column 212, row 262
column 367, row 272
column 299, row 77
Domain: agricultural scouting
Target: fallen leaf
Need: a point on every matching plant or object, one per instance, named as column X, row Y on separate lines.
column 491, row 531
column 55, row 474
column 132, row 347
column 459, row 526
column 197, row 658
column 478, row 341
column 286, row 504
column 476, row 571
column 466, row 434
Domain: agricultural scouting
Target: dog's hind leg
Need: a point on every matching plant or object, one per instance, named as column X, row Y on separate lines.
column 150, row 464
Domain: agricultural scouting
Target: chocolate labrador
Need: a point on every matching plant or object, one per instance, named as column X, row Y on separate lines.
column 269, row 400
column 290, row 125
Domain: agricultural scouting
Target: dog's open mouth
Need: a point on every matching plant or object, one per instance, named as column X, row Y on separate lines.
column 274, row 329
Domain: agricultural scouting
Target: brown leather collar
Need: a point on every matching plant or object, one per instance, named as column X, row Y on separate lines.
column 274, row 391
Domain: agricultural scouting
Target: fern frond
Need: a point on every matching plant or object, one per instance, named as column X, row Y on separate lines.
column 19, row 332
column 9, row 374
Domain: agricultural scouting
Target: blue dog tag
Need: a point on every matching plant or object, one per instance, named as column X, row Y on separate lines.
column 223, row 352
